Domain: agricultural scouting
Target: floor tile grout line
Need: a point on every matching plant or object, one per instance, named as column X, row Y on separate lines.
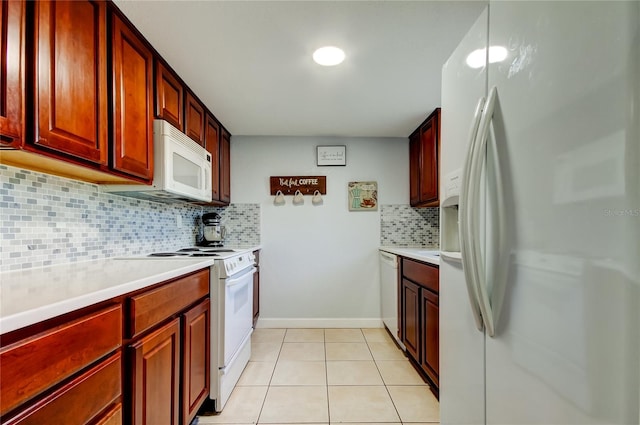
column 264, row 400
column 326, row 371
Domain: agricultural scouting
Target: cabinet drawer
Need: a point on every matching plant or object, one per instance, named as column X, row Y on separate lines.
column 36, row 363
column 80, row 401
column 421, row 273
column 152, row 307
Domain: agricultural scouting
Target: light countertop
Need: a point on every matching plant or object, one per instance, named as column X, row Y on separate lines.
column 33, row 295
column 416, row 253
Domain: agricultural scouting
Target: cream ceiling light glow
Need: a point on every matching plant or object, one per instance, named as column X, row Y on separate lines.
column 477, row 58
column 328, row 56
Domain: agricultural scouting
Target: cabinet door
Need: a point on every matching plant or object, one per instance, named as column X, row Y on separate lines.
column 133, row 103
column 429, row 161
column 414, row 169
column 169, row 96
column 225, row 167
column 195, row 119
column 155, row 371
column 256, row 296
column 71, row 78
column 411, row 318
column 430, row 327
column 196, row 360
column 212, row 144
column 12, row 68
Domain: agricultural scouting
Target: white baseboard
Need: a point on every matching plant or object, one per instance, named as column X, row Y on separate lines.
column 318, row 323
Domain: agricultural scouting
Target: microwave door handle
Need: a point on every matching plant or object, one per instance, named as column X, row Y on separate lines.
column 207, row 180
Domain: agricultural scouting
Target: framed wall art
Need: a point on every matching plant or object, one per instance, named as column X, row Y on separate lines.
column 331, row 155
column 363, row 196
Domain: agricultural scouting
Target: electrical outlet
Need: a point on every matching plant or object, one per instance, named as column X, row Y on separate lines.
column 178, row 220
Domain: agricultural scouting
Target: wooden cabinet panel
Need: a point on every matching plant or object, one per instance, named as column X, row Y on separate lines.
column 79, row 401
column 152, row 307
column 421, row 273
column 419, row 316
column 71, row 78
column 212, row 144
column 424, row 147
column 225, row 167
column 195, row 119
column 112, row 417
column 169, row 96
column 256, row 297
column 35, row 364
column 196, row 359
column 133, row 102
column 430, row 361
column 12, row 27
column 156, row 377
column 256, row 289
column 411, row 322
column 414, row 168
column 429, row 159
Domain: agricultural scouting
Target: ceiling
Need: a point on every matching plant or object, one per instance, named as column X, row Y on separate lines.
column 250, row 61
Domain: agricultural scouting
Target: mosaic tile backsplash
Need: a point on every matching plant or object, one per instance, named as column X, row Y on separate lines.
column 402, row 225
column 51, row 220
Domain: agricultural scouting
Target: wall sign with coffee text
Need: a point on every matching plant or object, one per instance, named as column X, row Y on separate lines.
column 307, row 185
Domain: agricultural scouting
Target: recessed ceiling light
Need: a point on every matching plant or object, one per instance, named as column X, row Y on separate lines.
column 328, row 56
column 477, row 58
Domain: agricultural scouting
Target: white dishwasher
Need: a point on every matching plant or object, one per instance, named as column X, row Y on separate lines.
column 389, row 293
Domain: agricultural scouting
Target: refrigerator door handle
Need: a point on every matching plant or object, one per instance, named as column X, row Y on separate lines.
column 476, row 172
column 464, row 211
column 499, row 267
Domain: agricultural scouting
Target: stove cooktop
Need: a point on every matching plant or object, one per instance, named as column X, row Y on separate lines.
column 194, row 252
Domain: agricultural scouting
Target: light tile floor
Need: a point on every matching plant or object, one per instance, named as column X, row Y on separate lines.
column 327, row 376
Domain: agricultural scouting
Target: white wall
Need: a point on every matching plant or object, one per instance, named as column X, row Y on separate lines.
column 319, row 264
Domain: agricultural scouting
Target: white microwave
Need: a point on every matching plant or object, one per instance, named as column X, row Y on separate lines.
column 182, row 169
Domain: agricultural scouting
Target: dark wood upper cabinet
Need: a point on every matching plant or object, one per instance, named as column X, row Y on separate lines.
column 133, row 102
column 195, row 119
column 169, row 96
column 424, row 147
column 225, row 167
column 12, row 27
column 212, row 144
column 414, row 168
column 71, row 78
column 429, row 172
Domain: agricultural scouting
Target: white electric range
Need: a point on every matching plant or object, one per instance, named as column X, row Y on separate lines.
column 231, row 292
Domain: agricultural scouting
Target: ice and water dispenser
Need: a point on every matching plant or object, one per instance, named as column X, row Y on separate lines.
column 449, row 227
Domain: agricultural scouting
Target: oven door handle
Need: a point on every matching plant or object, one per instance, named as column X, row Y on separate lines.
column 237, row 280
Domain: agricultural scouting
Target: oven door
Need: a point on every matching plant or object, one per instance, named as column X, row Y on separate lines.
column 238, row 312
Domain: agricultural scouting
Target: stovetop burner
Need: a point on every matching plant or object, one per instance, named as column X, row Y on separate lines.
column 184, row 254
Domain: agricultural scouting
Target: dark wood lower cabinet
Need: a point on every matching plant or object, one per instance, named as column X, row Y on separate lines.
column 411, row 322
column 420, row 318
column 140, row 358
column 195, row 359
column 156, row 376
column 430, row 323
column 80, row 401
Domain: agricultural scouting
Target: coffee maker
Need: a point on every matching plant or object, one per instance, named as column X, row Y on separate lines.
column 212, row 232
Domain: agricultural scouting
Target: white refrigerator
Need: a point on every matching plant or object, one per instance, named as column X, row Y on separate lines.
column 540, row 216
